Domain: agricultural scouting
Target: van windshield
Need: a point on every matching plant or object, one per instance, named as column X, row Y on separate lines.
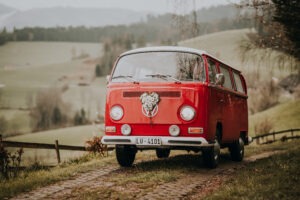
column 159, row 66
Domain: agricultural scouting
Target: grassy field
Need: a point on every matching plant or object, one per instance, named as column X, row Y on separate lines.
column 69, row 136
column 276, row 177
column 29, row 67
column 16, row 55
column 283, row 116
column 225, row 45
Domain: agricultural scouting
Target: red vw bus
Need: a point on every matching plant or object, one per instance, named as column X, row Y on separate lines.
column 170, row 98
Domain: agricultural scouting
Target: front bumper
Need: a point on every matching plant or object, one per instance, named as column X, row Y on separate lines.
column 165, row 141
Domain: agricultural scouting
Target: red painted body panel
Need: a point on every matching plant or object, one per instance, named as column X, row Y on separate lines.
column 168, row 108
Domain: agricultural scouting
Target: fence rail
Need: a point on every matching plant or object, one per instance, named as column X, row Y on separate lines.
column 265, row 139
column 260, row 139
column 56, row 146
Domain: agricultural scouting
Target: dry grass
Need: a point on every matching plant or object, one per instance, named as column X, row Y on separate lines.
column 283, row 116
column 277, row 177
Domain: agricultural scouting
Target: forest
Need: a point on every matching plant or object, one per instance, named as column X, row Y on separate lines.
column 161, row 29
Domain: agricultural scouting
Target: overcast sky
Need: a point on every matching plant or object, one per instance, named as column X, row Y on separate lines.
column 137, row 5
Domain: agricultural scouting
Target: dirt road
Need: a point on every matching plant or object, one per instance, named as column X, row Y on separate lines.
column 194, row 185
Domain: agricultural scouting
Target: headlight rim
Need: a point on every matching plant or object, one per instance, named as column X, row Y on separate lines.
column 191, row 109
column 113, row 108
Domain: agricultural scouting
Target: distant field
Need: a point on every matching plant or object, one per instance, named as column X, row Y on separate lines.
column 225, row 45
column 28, row 67
column 70, row 136
column 18, row 120
column 283, row 116
column 91, row 98
column 27, row 54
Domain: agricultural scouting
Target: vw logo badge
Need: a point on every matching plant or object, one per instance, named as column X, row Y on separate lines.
column 150, row 103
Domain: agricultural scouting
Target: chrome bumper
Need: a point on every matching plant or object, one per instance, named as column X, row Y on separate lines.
column 165, row 141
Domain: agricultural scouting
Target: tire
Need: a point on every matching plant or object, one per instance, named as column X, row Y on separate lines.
column 125, row 155
column 237, row 150
column 211, row 155
column 163, row 153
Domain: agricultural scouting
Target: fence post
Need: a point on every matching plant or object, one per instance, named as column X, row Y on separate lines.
column 274, row 136
column 57, row 151
column 292, row 131
column 257, row 140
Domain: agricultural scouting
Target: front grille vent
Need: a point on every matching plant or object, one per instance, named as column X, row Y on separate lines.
column 174, row 94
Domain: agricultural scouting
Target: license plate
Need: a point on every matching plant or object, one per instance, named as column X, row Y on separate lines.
column 148, row 141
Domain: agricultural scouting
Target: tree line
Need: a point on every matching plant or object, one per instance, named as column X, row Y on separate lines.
column 163, row 29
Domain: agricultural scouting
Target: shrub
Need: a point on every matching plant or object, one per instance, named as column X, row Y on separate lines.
column 264, row 126
column 49, row 110
column 263, row 97
column 98, row 70
column 10, row 162
column 3, row 125
column 80, row 118
column 95, row 146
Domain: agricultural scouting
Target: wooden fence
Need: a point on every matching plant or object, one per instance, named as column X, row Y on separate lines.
column 56, row 146
column 273, row 136
column 260, row 139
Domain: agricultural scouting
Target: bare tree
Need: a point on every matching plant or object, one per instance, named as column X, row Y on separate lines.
column 186, row 24
column 50, row 110
column 277, row 28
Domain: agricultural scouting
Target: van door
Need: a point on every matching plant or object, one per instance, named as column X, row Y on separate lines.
column 215, row 101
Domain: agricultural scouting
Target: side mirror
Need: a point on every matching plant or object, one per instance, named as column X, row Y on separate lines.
column 220, row 79
column 107, row 78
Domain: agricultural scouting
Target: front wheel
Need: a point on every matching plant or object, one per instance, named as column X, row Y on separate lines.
column 211, row 155
column 163, row 153
column 125, row 155
column 237, row 150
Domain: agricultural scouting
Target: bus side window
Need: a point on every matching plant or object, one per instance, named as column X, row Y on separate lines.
column 227, row 83
column 199, row 70
column 212, row 71
column 238, row 83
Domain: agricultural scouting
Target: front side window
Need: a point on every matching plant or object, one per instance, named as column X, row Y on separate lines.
column 227, row 83
column 159, row 66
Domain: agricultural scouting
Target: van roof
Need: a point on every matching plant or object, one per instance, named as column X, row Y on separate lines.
column 164, row 48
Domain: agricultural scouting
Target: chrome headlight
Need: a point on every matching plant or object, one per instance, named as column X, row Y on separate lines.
column 187, row 113
column 116, row 113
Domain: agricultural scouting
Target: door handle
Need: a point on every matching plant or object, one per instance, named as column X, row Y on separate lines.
column 221, row 101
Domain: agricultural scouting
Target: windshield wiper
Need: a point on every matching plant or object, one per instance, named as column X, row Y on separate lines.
column 164, row 77
column 127, row 78
column 174, row 79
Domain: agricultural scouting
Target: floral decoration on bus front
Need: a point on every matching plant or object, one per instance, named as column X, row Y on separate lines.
column 150, row 103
